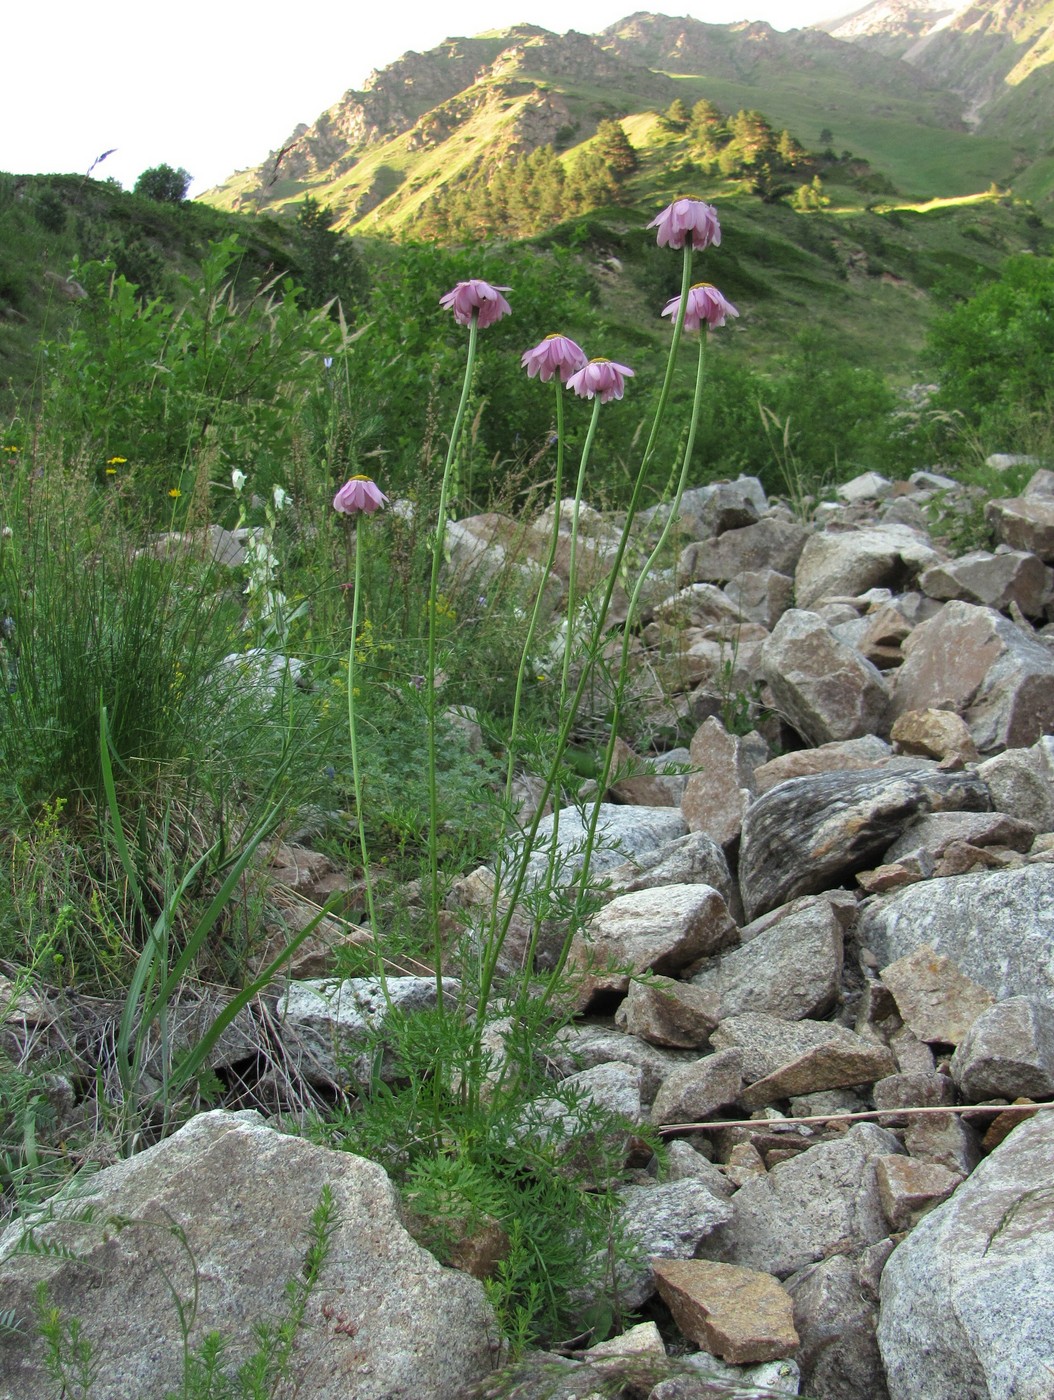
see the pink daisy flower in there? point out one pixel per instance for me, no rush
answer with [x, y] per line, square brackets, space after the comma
[476, 298]
[603, 377]
[704, 303]
[359, 493]
[556, 354]
[686, 218]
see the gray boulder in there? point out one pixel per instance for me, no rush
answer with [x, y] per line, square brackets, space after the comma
[221, 1213]
[822, 686]
[967, 1299]
[849, 562]
[809, 834]
[997, 926]
[823, 1201]
[1008, 1052]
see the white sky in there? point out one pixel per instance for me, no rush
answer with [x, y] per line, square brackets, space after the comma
[214, 86]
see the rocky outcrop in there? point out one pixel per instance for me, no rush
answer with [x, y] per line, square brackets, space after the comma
[219, 1220]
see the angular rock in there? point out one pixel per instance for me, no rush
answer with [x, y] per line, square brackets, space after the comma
[241, 1196]
[623, 833]
[669, 1013]
[719, 791]
[868, 486]
[997, 926]
[808, 834]
[852, 755]
[824, 688]
[695, 859]
[992, 580]
[934, 998]
[585, 1047]
[935, 734]
[770, 544]
[327, 1022]
[664, 1223]
[968, 1297]
[909, 1188]
[792, 968]
[1008, 1052]
[1025, 522]
[738, 1314]
[981, 665]
[761, 595]
[882, 637]
[639, 785]
[768, 1043]
[1021, 782]
[911, 1091]
[837, 1064]
[933, 834]
[654, 930]
[943, 1138]
[821, 1202]
[694, 1091]
[835, 1315]
[683, 1161]
[849, 562]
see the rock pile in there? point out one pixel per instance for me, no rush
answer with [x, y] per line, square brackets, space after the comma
[871, 932]
[824, 970]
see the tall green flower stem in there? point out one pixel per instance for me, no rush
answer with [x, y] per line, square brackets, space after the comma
[569, 712]
[356, 772]
[627, 633]
[539, 600]
[430, 667]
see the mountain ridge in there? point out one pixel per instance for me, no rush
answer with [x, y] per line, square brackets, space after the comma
[461, 110]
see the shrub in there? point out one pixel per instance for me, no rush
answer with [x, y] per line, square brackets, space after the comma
[163, 184]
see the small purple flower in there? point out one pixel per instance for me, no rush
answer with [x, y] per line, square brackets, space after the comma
[476, 298]
[359, 494]
[603, 377]
[556, 354]
[686, 218]
[704, 304]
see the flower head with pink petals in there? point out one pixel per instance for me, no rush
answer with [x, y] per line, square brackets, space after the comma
[687, 218]
[357, 494]
[556, 354]
[479, 299]
[703, 305]
[603, 377]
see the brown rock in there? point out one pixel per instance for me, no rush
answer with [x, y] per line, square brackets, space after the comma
[943, 1138]
[637, 786]
[822, 686]
[665, 1012]
[696, 1090]
[653, 930]
[1025, 522]
[718, 793]
[770, 544]
[933, 734]
[933, 997]
[740, 1315]
[836, 1065]
[909, 1188]
[867, 752]
[980, 664]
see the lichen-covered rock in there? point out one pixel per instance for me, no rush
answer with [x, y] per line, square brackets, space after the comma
[968, 1297]
[997, 926]
[224, 1208]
